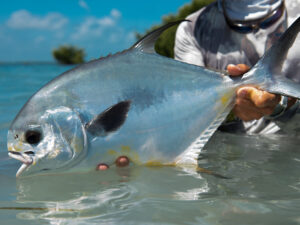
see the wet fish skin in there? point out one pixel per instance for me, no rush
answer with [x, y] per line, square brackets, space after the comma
[174, 109]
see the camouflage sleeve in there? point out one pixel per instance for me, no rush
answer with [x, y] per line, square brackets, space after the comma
[186, 47]
[289, 121]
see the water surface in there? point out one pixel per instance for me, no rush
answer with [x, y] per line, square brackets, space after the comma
[263, 185]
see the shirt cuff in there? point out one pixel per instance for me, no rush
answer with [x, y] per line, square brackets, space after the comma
[281, 112]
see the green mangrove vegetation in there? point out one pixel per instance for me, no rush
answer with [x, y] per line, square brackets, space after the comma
[165, 43]
[68, 54]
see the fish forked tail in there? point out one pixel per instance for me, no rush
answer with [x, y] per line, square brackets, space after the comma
[269, 72]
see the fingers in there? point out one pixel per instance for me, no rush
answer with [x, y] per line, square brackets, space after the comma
[259, 97]
[237, 70]
[247, 111]
[252, 103]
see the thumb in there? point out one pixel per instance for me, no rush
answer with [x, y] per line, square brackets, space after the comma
[258, 97]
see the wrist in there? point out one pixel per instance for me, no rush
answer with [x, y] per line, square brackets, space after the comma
[280, 108]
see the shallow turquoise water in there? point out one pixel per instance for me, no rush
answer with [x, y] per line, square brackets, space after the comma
[263, 185]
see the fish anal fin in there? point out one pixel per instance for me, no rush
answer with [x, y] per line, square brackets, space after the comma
[146, 44]
[109, 120]
[191, 154]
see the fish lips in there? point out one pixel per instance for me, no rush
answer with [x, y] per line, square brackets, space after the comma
[26, 158]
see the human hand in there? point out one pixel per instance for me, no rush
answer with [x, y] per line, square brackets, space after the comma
[251, 103]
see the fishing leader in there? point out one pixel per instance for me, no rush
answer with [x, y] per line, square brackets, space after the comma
[232, 35]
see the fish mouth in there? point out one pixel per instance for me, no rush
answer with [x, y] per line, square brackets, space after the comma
[26, 158]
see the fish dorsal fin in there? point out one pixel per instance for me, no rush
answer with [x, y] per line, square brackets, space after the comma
[146, 44]
[109, 120]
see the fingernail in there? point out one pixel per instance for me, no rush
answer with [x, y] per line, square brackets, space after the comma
[243, 93]
[230, 66]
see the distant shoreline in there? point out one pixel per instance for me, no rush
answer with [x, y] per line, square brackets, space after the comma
[32, 63]
[28, 62]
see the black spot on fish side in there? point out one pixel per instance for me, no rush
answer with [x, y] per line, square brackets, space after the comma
[109, 120]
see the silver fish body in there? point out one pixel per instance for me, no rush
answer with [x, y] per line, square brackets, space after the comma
[151, 108]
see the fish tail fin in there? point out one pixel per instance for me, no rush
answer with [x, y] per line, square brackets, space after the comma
[270, 72]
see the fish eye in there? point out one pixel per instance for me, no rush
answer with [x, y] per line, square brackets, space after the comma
[33, 137]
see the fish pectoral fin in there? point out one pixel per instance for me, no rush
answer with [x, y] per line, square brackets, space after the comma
[109, 120]
[146, 44]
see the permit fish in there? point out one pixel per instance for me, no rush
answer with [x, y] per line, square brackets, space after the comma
[153, 109]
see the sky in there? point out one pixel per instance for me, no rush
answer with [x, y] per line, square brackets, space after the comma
[31, 29]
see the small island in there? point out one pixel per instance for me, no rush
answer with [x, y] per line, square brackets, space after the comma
[68, 54]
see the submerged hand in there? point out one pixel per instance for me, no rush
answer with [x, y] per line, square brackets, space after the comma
[251, 103]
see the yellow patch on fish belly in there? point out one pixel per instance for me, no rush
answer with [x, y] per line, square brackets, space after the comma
[226, 97]
[131, 154]
[112, 152]
[126, 151]
[134, 157]
[158, 164]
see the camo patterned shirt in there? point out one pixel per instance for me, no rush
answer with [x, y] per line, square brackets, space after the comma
[208, 41]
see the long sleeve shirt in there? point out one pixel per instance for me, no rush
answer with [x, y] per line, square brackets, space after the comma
[208, 41]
